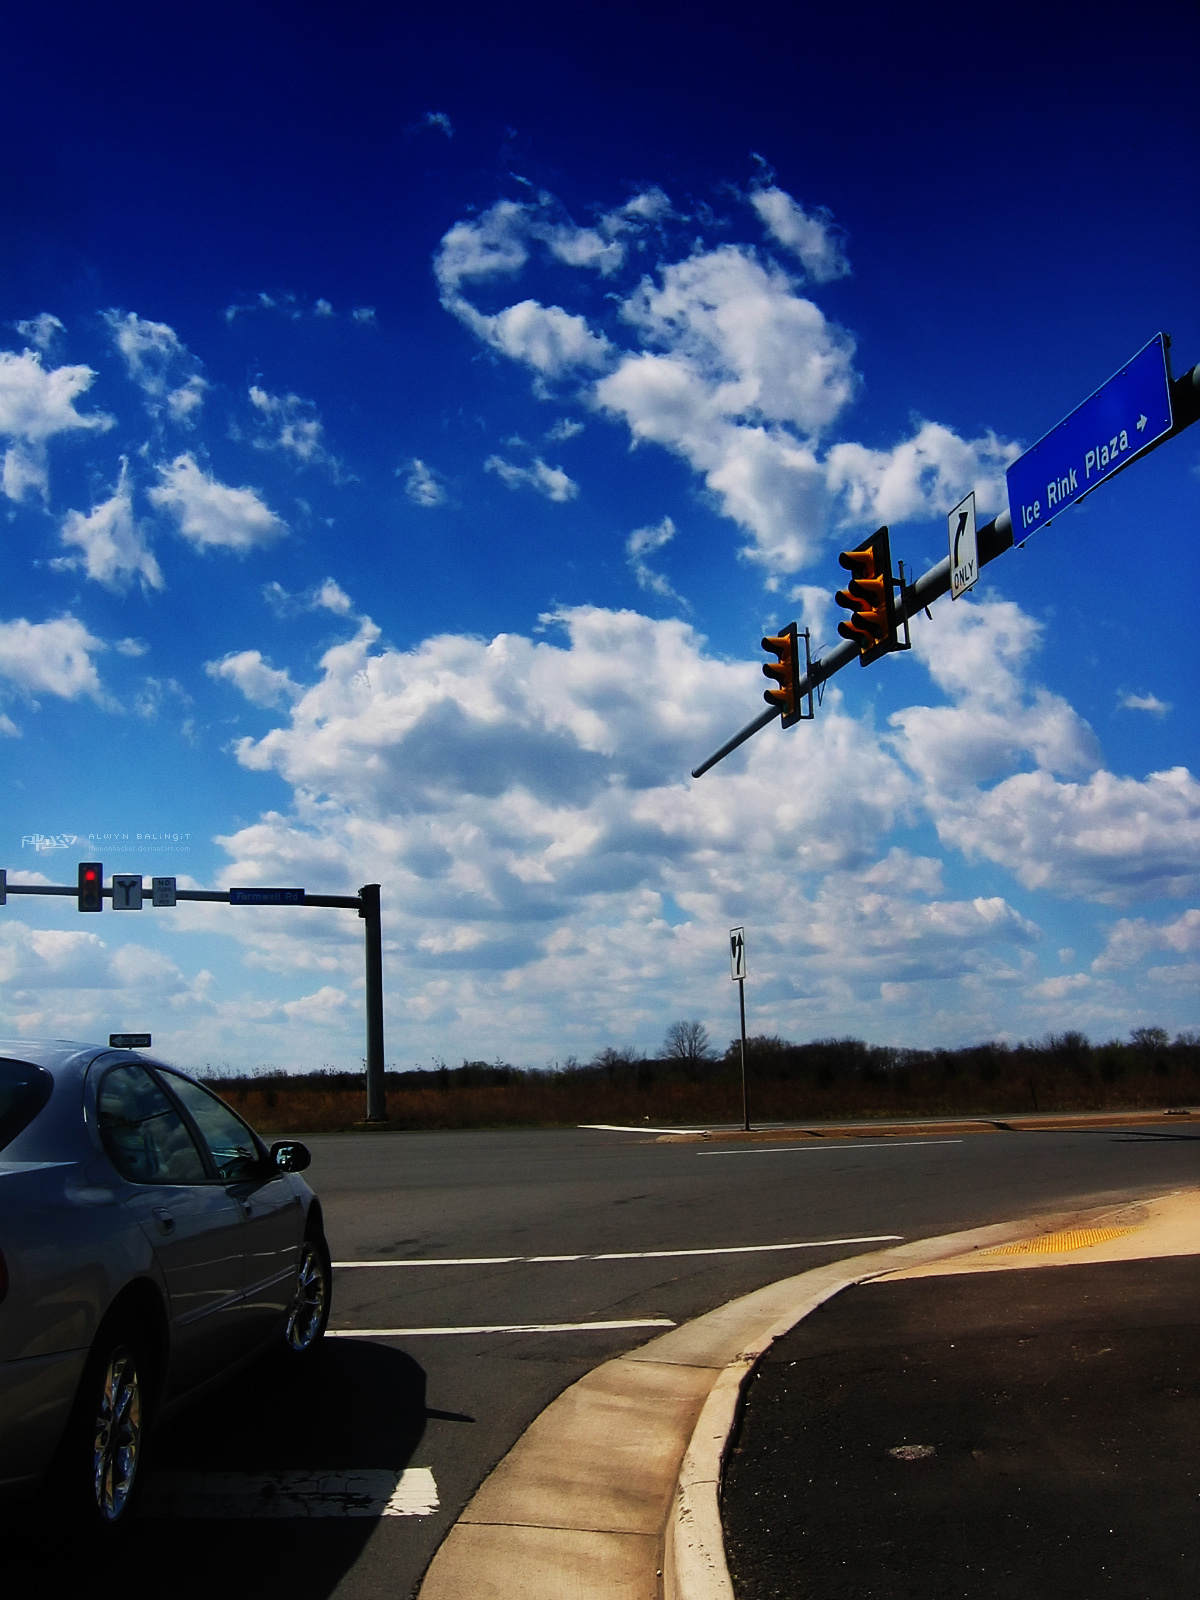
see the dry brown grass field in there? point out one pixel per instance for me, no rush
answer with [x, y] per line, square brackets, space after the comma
[832, 1079]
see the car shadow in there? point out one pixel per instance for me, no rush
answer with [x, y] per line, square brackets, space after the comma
[355, 1406]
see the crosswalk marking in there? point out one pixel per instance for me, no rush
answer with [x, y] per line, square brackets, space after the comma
[368, 1492]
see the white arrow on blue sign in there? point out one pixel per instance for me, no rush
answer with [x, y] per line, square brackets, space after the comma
[1125, 416]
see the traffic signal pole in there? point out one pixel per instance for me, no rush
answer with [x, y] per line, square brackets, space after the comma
[365, 902]
[994, 538]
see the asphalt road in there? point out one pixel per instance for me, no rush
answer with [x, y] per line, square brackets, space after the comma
[468, 1214]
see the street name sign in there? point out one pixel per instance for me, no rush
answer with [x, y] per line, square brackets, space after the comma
[964, 549]
[129, 1041]
[737, 953]
[1123, 418]
[127, 891]
[266, 897]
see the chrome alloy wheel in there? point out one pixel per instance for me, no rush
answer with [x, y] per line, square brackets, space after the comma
[117, 1442]
[306, 1319]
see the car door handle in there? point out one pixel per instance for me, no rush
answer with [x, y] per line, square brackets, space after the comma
[164, 1219]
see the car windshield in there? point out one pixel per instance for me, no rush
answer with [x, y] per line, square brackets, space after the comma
[24, 1090]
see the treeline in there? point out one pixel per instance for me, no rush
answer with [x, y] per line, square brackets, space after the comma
[825, 1078]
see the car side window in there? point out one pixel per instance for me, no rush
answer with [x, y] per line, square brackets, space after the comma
[231, 1144]
[146, 1138]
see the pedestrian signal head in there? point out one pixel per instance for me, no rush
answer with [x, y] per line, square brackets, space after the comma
[91, 884]
[786, 673]
[869, 597]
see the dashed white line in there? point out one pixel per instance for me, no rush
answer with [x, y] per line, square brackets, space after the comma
[499, 1327]
[370, 1492]
[810, 1149]
[624, 1255]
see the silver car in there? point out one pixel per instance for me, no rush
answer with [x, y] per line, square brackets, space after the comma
[150, 1246]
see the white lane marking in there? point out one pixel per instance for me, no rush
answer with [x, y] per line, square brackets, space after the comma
[371, 1492]
[802, 1149]
[631, 1255]
[618, 1127]
[745, 1249]
[504, 1327]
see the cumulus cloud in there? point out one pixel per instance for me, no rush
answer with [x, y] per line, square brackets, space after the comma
[160, 364]
[290, 425]
[328, 595]
[440, 121]
[113, 543]
[41, 330]
[210, 514]
[643, 542]
[1131, 940]
[730, 367]
[50, 657]
[1096, 836]
[552, 482]
[262, 685]
[422, 485]
[1142, 702]
[35, 405]
[809, 235]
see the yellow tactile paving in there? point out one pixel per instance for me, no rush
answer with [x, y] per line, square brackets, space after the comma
[1058, 1243]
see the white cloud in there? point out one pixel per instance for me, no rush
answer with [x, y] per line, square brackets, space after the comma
[114, 546]
[423, 486]
[326, 1006]
[131, 647]
[9, 728]
[440, 121]
[1142, 702]
[50, 657]
[642, 542]
[1131, 940]
[1102, 837]
[364, 315]
[211, 514]
[564, 428]
[160, 364]
[809, 235]
[293, 427]
[731, 368]
[35, 405]
[328, 595]
[552, 482]
[261, 684]
[41, 330]
[547, 338]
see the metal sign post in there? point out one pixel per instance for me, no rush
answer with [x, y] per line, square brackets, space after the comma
[126, 892]
[737, 971]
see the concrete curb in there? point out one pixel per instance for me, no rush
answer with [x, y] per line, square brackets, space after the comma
[612, 1491]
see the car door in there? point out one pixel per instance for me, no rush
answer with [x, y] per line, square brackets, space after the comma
[194, 1226]
[272, 1217]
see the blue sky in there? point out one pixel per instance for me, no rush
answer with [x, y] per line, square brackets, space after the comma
[410, 425]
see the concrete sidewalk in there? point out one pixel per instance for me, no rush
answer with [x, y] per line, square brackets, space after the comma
[1019, 1421]
[613, 1490]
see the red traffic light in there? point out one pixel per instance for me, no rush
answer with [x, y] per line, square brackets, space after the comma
[91, 886]
[869, 597]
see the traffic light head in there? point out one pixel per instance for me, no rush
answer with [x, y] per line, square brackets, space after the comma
[869, 597]
[786, 673]
[91, 883]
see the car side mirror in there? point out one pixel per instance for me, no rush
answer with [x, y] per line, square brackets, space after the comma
[289, 1155]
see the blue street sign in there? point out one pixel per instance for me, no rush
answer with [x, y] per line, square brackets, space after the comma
[1127, 415]
[266, 897]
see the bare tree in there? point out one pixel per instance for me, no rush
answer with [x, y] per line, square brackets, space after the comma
[687, 1041]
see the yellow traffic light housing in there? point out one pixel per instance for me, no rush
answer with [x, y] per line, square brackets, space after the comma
[786, 673]
[870, 598]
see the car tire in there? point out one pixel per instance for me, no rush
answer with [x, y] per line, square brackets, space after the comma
[101, 1458]
[308, 1314]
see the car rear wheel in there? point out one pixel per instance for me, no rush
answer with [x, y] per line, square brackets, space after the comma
[309, 1310]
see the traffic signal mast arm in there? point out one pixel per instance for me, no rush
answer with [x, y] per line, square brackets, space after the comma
[994, 538]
